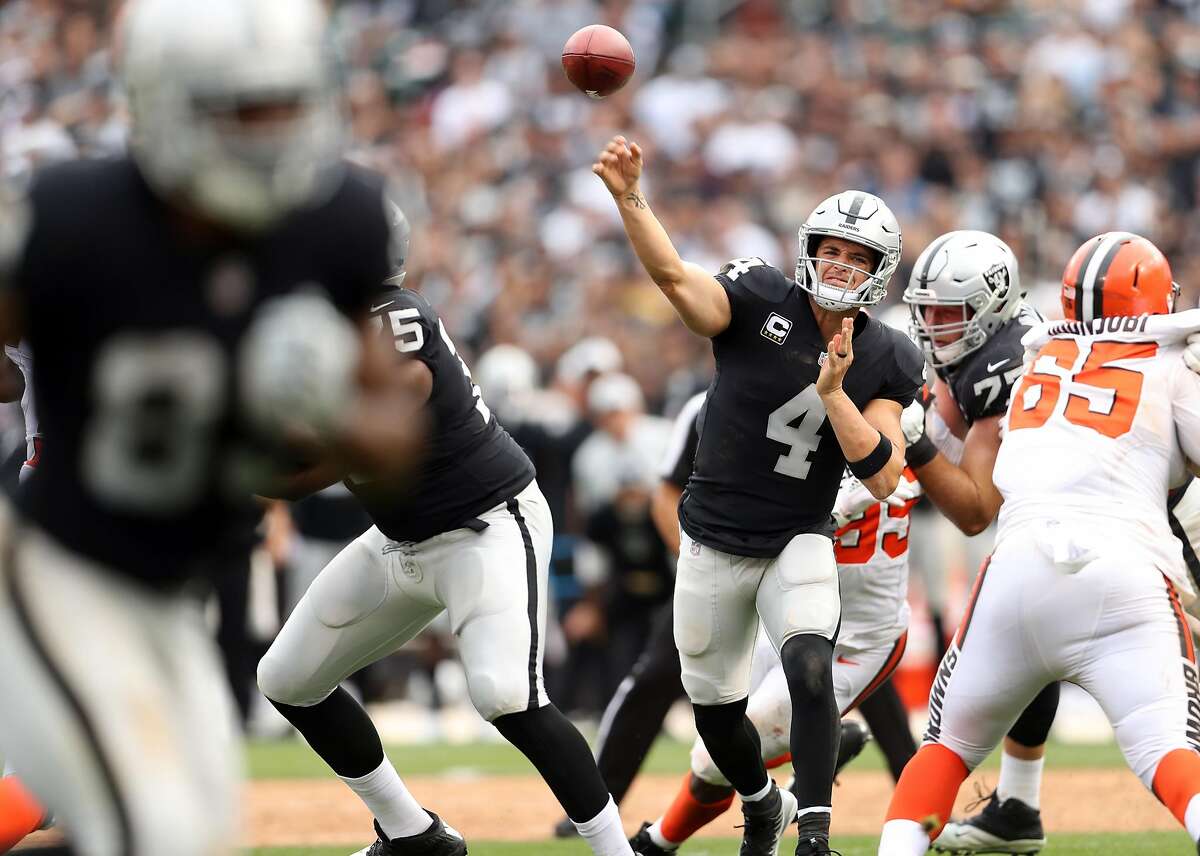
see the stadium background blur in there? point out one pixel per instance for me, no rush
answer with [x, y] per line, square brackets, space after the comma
[1044, 122]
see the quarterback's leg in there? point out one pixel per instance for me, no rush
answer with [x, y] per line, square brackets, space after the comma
[355, 612]
[1155, 712]
[88, 705]
[800, 607]
[705, 794]
[983, 682]
[494, 585]
[715, 629]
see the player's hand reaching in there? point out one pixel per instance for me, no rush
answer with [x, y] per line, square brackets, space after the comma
[838, 358]
[619, 166]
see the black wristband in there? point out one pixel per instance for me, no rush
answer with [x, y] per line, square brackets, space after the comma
[921, 452]
[874, 462]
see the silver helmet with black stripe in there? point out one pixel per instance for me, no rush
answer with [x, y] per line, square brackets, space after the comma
[864, 219]
[973, 275]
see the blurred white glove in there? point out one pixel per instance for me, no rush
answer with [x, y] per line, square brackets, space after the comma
[904, 491]
[852, 500]
[1191, 354]
[853, 497]
[297, 363]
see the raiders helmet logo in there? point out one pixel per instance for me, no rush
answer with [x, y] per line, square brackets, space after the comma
[996, 278]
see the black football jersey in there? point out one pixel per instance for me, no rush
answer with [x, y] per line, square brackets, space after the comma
[685, 436]
[983, 382]
[472, 463]
[768, 465]
[136, 322]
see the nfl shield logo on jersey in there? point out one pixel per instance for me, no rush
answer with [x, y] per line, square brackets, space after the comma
[776, 328]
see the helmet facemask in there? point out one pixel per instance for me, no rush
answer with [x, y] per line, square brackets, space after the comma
[958, 338]
[836, 296]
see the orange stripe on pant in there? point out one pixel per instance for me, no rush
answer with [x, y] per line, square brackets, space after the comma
[927, 788]
[884, 672]
[961, 636]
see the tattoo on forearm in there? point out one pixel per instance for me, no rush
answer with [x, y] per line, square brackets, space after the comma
[637, 199]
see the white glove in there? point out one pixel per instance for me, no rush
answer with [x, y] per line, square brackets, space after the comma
[297, 363]
[912, 421]
[1191, 354]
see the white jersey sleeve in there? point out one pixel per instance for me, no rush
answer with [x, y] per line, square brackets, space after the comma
[1185, 408]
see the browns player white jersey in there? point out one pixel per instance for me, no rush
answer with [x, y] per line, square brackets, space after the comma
[872, 558]
[1097, 430]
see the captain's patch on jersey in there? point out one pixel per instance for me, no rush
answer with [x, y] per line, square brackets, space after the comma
[776, 328]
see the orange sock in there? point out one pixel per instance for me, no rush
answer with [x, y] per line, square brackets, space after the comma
[927, 788]
[687, 815]
[1177, 780]
[20, 813]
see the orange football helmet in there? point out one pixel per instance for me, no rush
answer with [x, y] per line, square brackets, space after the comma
[1117, 273]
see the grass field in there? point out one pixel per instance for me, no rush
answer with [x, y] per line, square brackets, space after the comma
[1148, 844]
[292, 759]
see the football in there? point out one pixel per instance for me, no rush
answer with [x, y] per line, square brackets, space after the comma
[598, 60]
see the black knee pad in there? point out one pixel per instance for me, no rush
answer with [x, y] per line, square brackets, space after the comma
[808, 664]
[1032, 728]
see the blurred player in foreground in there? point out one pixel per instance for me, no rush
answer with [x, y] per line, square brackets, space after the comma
[1091, 588]
[471, 537]
[190, 307]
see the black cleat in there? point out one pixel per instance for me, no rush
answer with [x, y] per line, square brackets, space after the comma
[766, 819]
[815, 847]
[644, 845]
[565, 829]
[855, 738]
[1002, 827]
[437, 840]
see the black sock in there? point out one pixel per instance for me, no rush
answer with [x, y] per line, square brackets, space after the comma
[888, 720]
[561, 755]
[816, 727]
[732, 742]
[339, 730]
[1032, 727]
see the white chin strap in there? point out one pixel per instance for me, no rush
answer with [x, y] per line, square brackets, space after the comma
[833, 296]
[947, 354]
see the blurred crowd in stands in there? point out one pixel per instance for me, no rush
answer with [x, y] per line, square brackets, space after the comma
[1044, 121]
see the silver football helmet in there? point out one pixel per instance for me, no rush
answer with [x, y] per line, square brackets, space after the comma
[401, 236]
[233, 105]
[852, 215]
[973, 271]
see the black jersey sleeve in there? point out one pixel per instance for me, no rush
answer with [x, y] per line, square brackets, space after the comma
[984, 384]
[685, 435]
[408, 321]
[903, 383]
[751, 282]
